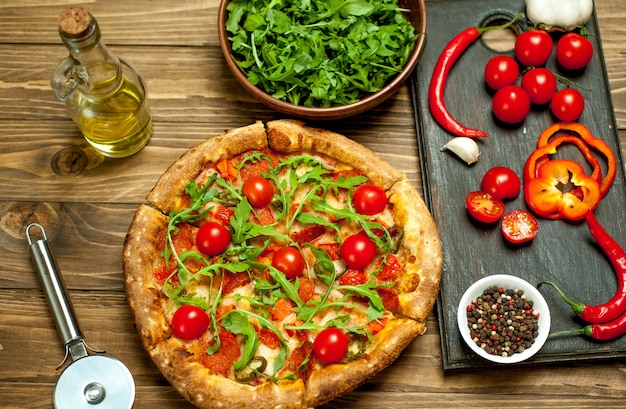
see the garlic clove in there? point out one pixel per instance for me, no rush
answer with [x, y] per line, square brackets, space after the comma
[464, 148]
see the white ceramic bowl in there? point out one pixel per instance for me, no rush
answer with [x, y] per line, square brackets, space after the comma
[507, 282]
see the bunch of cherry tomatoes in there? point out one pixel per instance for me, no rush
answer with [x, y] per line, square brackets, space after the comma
[511, 103]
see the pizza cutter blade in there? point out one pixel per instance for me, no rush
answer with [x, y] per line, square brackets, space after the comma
[90, 381]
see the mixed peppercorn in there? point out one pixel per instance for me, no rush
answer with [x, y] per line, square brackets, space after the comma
[502, 321]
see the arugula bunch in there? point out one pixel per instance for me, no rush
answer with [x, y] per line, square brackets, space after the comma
[319, 53]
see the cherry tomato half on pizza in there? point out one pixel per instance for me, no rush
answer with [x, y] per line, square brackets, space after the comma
[369, 199]
[289, 260]
[212, 239]
[190, 322]
[357, 251]
[330, 345]
[258, 190]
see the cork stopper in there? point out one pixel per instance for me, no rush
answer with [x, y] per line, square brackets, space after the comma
[75, 22]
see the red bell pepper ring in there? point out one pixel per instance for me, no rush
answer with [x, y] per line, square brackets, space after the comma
[541, 155]
[547, 194]
[579, 130]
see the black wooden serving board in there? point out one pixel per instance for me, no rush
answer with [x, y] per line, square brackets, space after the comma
[562, 252]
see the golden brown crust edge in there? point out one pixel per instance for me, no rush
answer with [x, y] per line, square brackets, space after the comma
[335, 380]
[291, 136]
[421, 242]
[207, 390]
[140, 259]
[171, 184]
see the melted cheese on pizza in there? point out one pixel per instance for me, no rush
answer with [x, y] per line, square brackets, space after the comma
[311, 211]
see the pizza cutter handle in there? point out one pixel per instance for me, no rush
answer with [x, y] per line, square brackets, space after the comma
[51, 280]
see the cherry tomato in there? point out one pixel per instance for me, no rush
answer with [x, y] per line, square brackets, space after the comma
[533, 48]
[500, 71]
[573, 51]
[519, 226]
[212, 239]
[289, 260]
[369, 199]
[357, 251]
[258, 190]
[484, 208]
[511, 104]
[190, 322]
[567, 105]
[539, 84]
[501, 183]
[330, 345]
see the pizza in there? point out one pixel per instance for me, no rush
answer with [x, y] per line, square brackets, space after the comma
[279, 266]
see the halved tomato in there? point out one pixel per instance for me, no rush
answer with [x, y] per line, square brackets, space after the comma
[484, 208]
[519, 226]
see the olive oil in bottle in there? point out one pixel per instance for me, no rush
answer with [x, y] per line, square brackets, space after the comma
[104, 95]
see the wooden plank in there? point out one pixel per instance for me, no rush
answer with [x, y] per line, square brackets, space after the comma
[557, 252]
[106, 323]
[185, 85]
[51, 156]
[612, 27]
[143, 22]
[86, 238]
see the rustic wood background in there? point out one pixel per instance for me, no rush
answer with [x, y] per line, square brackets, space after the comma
[47, 174]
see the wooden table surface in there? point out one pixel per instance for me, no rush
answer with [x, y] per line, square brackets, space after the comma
[86, 203]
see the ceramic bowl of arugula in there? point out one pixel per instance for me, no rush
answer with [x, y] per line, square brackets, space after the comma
[321, 59]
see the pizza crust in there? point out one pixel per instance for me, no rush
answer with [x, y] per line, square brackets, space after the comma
[207, 390]
[335, 380]
[170, 186]
[419, 283]
[291, 136]
[141, 259]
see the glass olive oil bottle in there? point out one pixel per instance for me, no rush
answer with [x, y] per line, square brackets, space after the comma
[104, 95]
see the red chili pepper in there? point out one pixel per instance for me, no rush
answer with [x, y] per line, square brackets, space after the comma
[580, 131]
[616, 306]
[600, 332]
[607, 331]
[436, 92]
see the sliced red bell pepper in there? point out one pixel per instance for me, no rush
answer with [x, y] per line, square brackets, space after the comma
[561, 190]
[541, 155]
[579, 130]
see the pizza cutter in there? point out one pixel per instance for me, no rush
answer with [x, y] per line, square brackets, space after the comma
[93, 380]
